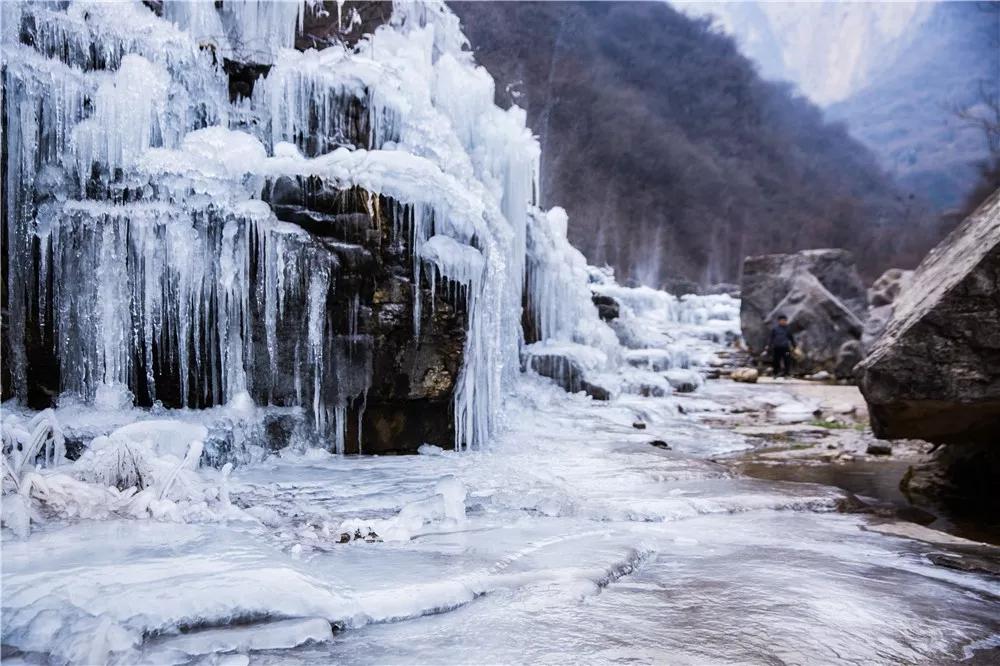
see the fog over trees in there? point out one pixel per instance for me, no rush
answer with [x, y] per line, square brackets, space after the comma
[673, 157]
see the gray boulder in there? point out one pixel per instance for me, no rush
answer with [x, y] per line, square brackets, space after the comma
[882, 297]
[848, 357]
[821, 294]
[935, 372]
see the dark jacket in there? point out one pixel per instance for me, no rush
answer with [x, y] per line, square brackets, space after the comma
[781, 338]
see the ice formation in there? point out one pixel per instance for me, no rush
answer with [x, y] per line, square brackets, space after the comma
[137, 183]
[147, 265]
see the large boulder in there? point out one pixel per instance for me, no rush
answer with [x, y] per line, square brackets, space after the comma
[821, 294]
[935, 372]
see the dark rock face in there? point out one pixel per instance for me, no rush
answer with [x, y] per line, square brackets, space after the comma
[396, 384]
[935, 372]
[821, 294]
[959, 473]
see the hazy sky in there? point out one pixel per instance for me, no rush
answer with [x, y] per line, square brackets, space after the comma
[829, 49]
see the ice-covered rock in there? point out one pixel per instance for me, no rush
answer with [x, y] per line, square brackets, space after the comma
[571, 365]
[348, 230]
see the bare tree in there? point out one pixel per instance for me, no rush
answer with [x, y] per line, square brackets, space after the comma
[984, 114]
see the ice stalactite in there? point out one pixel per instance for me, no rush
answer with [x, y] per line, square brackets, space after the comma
[321, 100]
[137, 181]
[130, 116]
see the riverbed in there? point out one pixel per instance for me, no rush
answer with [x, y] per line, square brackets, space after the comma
[572, 538]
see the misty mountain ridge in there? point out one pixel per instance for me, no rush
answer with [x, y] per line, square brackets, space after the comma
[894, 72]
[907, 112]
[674, 158]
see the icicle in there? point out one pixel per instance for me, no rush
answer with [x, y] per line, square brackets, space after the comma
[361, 417]
[318, 288]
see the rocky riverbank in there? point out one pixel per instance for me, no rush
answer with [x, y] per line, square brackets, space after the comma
[819, 432]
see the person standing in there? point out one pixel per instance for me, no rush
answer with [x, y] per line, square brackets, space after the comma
[781, 342]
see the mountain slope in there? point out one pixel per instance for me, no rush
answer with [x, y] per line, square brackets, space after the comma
[907, 111]
[830, 49]
[672, 156]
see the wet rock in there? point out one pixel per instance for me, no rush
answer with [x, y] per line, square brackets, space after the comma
[745, 375]
[985, 561]
[963, 472]
[935, 372]
[607, 307]
[879, 449]
[818, 290]
[394, 386]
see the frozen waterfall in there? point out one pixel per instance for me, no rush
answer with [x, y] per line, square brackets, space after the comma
[149, 249]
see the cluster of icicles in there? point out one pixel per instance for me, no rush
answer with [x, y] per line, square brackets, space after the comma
[134, 185]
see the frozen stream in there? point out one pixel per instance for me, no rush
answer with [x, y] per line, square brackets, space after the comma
[575, 537]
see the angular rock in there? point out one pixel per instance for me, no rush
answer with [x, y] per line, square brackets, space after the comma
[818, 290]
[935, 372]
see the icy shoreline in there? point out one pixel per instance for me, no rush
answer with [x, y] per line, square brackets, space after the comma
[572, 514]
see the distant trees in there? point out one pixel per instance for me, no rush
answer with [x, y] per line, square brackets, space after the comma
[672, 156]
[985, 115]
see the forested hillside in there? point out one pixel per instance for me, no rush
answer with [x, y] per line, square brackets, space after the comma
[672, 156]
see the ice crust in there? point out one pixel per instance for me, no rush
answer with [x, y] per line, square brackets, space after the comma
[571, 512]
